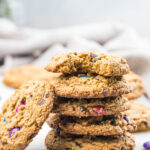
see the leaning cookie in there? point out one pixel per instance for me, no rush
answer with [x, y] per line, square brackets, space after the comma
[90, 107]
[55, 141]
[140, 114]
[104, 125]
[88, 62]
[137, 85]
[15, 77]
[90, 86]
[24, 113]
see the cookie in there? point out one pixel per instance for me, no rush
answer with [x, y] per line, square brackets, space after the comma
[54, 141]
[90, 107]
[137, 85]
[88, 62]
[90, 86]
[140, 114]
[24, 113]
[17, 76]
[103, 125]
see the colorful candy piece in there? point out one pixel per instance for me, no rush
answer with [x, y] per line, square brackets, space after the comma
[99, 110]
[126, 118]
[19, 107]
[4, 119]
[147, 145]
[121, 135]
[13, 131]
[84, 76]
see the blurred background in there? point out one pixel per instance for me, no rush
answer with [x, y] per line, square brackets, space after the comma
[62, 13]
[33, 31]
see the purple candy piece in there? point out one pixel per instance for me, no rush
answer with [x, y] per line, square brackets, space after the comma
[147, 145]
[126, 118]
[13, 131]
[121, 136]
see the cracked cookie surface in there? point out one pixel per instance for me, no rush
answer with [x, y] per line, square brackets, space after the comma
[54, 141]
[88, 62]
[90, 107]
[24, 113]
[103, 125]
[90, 86]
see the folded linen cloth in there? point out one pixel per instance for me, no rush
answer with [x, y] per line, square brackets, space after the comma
[26, 45]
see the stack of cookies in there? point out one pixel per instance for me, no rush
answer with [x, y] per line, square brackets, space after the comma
[88, 113]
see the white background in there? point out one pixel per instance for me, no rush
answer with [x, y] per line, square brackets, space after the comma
[58, 13]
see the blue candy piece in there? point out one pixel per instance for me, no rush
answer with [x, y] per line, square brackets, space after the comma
[147, 145]
[84, 76]
[4, 119]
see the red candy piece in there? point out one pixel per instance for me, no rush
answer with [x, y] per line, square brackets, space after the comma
[99, 110]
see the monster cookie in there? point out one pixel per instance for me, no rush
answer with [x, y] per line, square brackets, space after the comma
[103, 125]
[140, 114]
[90, 107]
[90, 86]
[24, 113]
[136, 82]
[15, 77]
[90, 62]
[54, 141]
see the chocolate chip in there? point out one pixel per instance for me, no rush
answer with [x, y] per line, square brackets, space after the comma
[3, 143]
[113, 122]
[145, 123]
[105, 92]
[31, 136]
[42, 102]
[23, 100]
[65, 120]
[122, 148]
[68, 149]
[93, 55]
[82, 108]
[98, 123]
[78, 144]
[47, 95]
[73, 108]
[31, 95]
